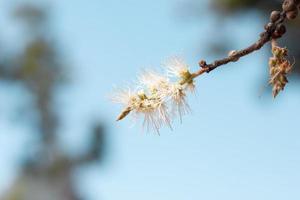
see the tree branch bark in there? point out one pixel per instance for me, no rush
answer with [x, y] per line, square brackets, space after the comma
[271, 32]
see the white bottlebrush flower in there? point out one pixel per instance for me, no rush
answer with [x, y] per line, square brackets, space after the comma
[160, 96]
[178, 100]
[123, 96]
[127, 98]
[154, 82]
[190, 86]
[152, 108]
[176, 67]
[155, 115]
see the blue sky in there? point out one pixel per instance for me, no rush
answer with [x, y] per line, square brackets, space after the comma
[233, 146]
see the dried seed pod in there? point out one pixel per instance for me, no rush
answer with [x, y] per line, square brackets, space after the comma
[275, 15]
[279, 68]
[292, 14]
[289, 5]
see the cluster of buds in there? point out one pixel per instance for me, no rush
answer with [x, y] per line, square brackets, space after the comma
[280, 28]
[290, 11]
[291, 8]
[158, 97]
[280, 67]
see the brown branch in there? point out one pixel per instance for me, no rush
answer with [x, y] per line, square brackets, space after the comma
[273, 30]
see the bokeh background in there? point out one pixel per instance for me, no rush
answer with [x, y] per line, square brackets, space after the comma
[59, 62]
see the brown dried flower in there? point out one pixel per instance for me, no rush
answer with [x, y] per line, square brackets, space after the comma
[279, 67]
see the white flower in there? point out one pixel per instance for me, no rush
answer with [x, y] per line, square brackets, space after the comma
[179, 103]
[155, 112]
[154, 82]
[123, 96]
[152, 108]
[191, 86]
[160, 96]
[127, 98]
[176, 67]
[155, 117]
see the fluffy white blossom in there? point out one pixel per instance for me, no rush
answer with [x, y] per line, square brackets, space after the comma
[123, 96]
[154, 81]
[178, 98]
[159, 97]
[176, 67]
[155, 116]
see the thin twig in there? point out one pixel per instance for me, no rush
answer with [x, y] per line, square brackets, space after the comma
[265, 37]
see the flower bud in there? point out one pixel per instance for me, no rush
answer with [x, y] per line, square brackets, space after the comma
[280, 28]
[268, 26]
[275, 15]
[232, 54]
[292, 14]
[289, 5]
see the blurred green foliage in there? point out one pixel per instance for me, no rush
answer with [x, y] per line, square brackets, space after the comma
[40, 69]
